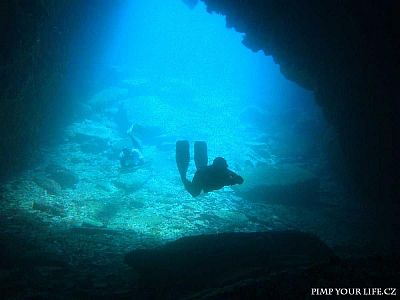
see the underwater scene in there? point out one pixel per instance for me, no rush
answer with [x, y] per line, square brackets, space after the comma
[192, 168]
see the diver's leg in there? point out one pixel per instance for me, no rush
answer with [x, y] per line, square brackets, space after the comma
[182, 156]
[200, 154]
[193, 189]
[135, 142]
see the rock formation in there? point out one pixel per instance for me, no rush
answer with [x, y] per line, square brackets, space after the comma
[347, 53]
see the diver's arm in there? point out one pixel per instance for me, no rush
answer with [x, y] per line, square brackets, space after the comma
[233, 178]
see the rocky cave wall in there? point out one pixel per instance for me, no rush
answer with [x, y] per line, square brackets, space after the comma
[47, 49]
[347, 52]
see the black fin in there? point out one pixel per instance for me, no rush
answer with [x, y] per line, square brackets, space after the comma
[200, 154]
[182, 157]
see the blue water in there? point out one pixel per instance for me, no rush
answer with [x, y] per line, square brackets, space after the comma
[178, 73]
[171, 73]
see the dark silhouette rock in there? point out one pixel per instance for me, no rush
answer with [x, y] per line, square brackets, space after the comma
[208, 261]
[348, 54]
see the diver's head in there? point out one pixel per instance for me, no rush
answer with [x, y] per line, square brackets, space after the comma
[220, 163]
[126, 152]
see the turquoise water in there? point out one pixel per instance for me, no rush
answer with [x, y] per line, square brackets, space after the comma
[183, 75]
[173, 73]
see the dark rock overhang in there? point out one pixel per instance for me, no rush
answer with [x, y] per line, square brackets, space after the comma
[347, 53]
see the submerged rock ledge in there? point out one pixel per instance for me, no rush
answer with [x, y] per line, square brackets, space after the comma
[201, 262]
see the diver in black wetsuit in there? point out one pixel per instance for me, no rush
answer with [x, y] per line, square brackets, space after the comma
[207, 178]
[131, 157]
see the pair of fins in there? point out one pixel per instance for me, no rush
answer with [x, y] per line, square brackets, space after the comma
[183, 156]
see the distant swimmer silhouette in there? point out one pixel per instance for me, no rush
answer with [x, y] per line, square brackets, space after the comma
[207, 178]
[131, 157]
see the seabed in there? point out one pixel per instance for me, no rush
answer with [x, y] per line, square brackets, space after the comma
[71, 219]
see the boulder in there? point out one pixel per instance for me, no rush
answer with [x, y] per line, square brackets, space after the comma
[64, 177]
[107, 98]
[49, 185]
[93, 137]
[279, 184]
[48, 207]
[201, 262]
[132, 181]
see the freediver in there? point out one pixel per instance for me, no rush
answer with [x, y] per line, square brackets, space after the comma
[207, 178]
[131, 157]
